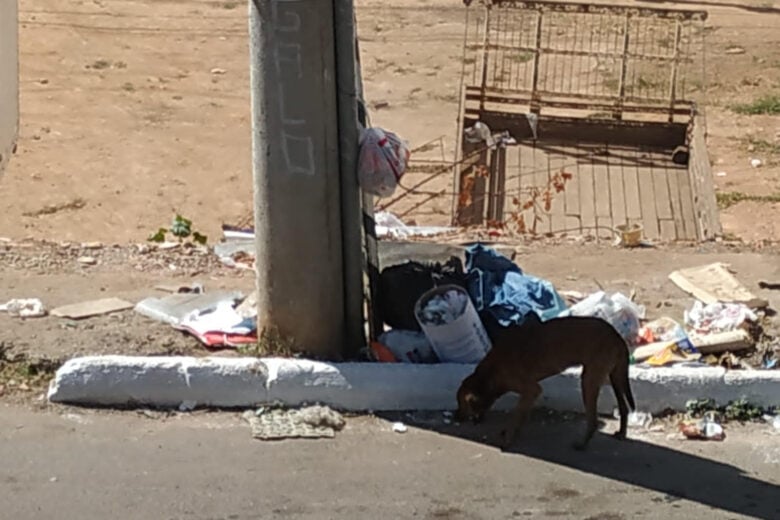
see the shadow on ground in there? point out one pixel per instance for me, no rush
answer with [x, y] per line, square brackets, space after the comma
[679, 475]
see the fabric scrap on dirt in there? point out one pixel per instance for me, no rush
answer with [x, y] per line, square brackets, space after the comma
[311, 422]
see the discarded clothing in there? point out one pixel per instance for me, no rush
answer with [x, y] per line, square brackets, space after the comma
[498, 285]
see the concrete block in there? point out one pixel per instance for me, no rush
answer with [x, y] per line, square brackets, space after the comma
[160, 381]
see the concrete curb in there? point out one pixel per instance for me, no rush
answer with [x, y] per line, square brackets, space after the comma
[248, 382]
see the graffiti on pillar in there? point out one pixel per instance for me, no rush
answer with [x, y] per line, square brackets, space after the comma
[297, 144]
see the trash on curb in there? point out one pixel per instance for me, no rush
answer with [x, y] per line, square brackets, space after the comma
[617, 309]
[24, 308]
[311, 422]
[703, 429]
[717, 317]
[174, 308]
[388, 225]
[773, 421]
[78, 311]
[220, 326]
[399, 427]
[675, 352]
[714, 283]
[407, 346]
[452, 325]
[636, 419]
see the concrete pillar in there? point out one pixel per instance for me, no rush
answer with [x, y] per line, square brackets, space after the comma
[296, 173]
[9, 80]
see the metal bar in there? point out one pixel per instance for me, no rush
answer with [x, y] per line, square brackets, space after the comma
[673, 84]
[623, 67]
[599, 54]
[675, 14]
[537, 55]
[485, 42]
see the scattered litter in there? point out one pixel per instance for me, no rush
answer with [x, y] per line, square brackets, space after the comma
[236, 252]
[572, 297]
[617, 309]
[703, 429]
[481, 133]
[452, 325]
[636, 419]
[24, 308]
[86, 260]
[756, 163]
[662, 330]
[382, 161]
[381, 353]
[717, 317]
[187, 406]
[399, 427]
[311, 422]
[388, 225]
[629, 235]
[715, 283]
[194, 288]
[174, 308]
[408, 346]
[735, 50]
[53, 479]
[675, 352]
[218, 71]
[718, 342]
[89, 309]
[721, 174]
[773, 420]
[92, 245]
[220, 325]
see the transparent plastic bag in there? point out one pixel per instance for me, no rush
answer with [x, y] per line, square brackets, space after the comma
[382, 161]
[618, 310]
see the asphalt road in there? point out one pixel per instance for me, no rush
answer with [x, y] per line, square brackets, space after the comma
[77, 464]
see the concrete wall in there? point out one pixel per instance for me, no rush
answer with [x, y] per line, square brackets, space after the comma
[9, 80]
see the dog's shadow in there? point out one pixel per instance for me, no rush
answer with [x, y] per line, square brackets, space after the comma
[677, 474]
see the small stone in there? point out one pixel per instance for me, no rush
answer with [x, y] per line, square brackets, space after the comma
[24, 387]
[53, 479]
[399, 427]
[86, 260]
[92, 245]
[735, 50]
[218, 71]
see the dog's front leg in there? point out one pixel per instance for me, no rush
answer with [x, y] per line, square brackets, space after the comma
[528, 395]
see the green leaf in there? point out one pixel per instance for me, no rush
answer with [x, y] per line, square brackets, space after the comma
[159, 236]
[200, 239]
[181, 227]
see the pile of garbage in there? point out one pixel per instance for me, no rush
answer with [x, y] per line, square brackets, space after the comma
[437, 313]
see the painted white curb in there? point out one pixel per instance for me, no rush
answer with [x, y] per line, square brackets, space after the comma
[248, 382]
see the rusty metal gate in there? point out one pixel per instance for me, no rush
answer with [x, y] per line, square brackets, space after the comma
[598, 99]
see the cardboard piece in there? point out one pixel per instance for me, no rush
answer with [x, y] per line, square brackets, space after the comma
[89, 309]
[714, 283]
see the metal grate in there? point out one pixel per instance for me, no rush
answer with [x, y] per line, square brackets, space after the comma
[570, 55]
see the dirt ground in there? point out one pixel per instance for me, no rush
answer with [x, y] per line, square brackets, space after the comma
[133, 111]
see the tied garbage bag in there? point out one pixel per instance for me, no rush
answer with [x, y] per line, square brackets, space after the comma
[382, 161]
[617, 310]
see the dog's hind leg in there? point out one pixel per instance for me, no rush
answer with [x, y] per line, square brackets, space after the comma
[591, 385]
[528, 396]
[620, 396]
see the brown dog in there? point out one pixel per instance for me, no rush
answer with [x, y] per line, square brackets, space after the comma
[523, 355]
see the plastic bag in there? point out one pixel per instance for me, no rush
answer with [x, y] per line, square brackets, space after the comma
[618, 310]
[382, 161]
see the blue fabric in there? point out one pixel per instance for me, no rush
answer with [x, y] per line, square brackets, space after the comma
[497, 284]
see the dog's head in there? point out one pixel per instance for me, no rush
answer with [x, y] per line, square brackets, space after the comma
[473, 403]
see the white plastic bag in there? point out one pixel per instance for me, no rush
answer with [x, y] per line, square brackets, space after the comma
[382, 161]
[618, 310]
